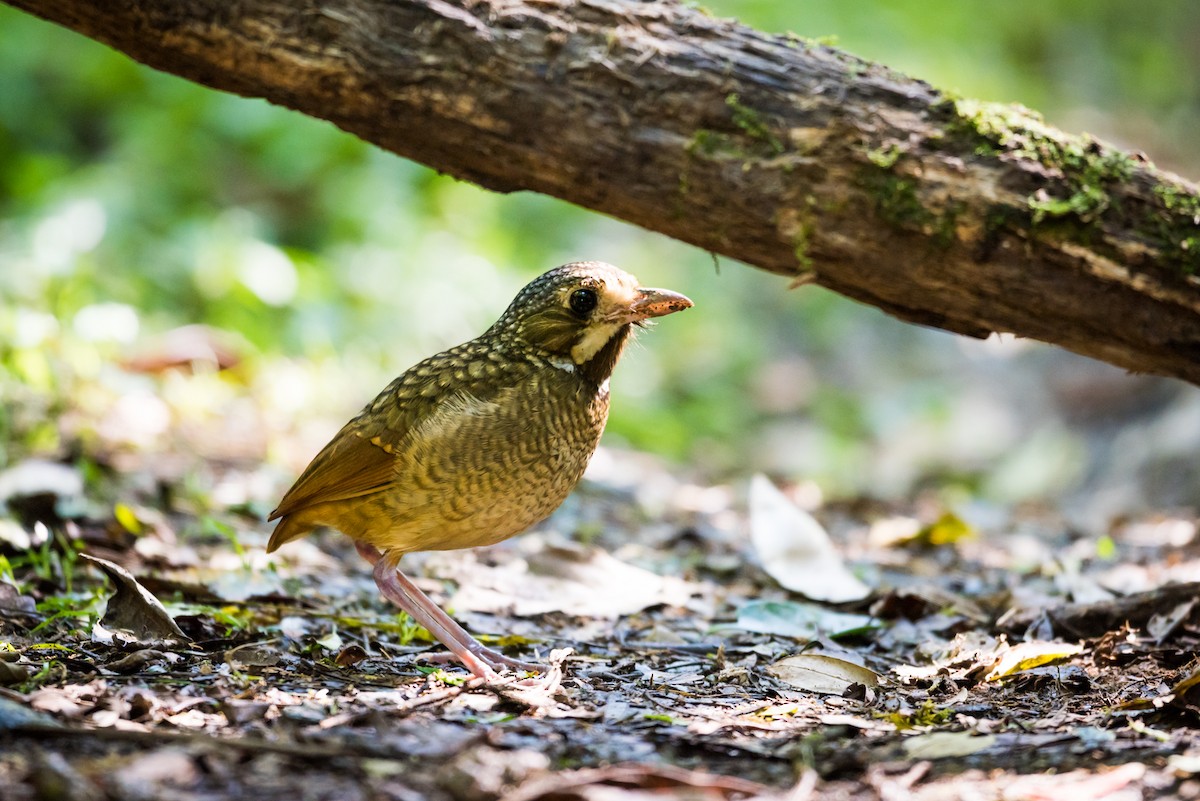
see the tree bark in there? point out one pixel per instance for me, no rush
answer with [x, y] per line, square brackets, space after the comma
[776, 151]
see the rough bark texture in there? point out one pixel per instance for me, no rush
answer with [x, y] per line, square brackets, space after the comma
[1082, 620]
[773, 150]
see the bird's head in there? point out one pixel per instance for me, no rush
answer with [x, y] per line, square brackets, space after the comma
[583, 313]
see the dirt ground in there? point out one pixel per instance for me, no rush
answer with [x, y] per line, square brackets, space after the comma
[996, 655]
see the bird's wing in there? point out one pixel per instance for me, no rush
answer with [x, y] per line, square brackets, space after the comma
[349, 466]
[361, 458]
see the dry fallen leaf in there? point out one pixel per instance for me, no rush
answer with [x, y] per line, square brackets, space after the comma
[1029, 655]
[1180, 695]
[350, 655]
[795, 550]
[253, 654]
[818, 673]
[139, 660]
[133, 608]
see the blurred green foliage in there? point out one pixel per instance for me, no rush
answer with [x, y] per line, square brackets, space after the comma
[132, 202]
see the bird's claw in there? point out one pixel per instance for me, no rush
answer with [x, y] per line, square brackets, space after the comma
[491, 662]
[499, 661]
[537, 691]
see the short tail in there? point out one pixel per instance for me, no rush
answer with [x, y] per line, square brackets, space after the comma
[290, 527]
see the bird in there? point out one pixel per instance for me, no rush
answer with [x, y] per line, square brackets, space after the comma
[479, 442]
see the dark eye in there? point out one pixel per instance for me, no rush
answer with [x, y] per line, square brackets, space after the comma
[583, 301]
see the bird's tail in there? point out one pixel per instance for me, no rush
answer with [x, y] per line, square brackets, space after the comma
[291, 527]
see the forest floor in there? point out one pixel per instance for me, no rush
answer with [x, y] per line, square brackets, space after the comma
[993, 654]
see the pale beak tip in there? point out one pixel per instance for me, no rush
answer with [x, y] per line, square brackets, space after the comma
[660, 302]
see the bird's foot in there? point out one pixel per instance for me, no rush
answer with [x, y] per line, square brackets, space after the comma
[485, 664]
[489, 657]
[538, 692]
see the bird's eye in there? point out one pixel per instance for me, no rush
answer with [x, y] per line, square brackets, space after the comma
[583, 301]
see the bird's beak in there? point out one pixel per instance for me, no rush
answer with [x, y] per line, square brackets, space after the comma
[657, 303]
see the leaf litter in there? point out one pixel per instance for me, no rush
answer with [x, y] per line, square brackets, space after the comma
[703, 646]
[795, 549]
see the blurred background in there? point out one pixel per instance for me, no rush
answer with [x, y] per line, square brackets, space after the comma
[195, 285]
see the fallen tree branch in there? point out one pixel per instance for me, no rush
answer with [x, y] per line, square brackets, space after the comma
[1098, 617]
[785, 154]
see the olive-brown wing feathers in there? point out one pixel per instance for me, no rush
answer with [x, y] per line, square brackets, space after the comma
[361, 458]
[349, 466]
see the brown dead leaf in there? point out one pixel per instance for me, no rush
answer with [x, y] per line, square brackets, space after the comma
[133, 608]
[254, 654]
[823, 674]
[1119, 646]
[350, 655]
[136, 661]
[61, 701]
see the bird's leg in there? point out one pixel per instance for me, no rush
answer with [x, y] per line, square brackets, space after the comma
[368, 552]
[397, 588]
[404, 594]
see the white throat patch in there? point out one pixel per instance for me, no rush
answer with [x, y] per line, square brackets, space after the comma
[596, 337]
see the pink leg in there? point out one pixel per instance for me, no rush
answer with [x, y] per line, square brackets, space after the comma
[396, 587]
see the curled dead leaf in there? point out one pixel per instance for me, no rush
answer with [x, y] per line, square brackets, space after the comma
[823, 674]
[133, 608]
[350, 655]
